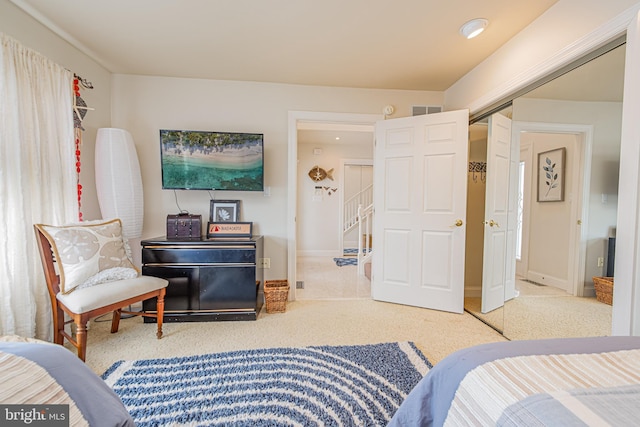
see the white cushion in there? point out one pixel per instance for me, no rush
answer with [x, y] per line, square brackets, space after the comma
[84, 250]
[87, 299]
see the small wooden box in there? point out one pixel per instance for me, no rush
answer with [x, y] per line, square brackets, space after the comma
[184, 226]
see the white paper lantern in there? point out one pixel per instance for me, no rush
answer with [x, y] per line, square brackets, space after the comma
[118, 180]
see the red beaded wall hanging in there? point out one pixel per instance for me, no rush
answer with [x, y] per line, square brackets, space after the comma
[79, 111]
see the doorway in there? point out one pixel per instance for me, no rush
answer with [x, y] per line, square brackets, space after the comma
[554, 239]
[302, 190]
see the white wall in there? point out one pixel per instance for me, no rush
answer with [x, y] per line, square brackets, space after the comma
[143, 105]
[17, 24]
[319, 214]
[606, 119]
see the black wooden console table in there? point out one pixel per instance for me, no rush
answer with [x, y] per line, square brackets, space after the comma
[209, 279]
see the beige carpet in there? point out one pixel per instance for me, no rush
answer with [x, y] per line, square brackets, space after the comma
[556, 317]
[546, 312]
[493, 318]
[305, 323]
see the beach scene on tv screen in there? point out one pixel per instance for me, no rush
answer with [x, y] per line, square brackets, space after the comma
[211, 160]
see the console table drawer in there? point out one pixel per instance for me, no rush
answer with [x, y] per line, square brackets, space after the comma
[191, 255]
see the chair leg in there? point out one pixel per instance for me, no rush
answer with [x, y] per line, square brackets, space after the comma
[58, 325]
[160, 312]
[81, 337]
[115, 321]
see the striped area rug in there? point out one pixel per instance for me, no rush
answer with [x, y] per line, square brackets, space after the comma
[325, 386]
[353, 251]
[349, 258]
[340, 262]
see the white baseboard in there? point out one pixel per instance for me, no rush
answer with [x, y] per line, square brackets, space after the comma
[545, 279]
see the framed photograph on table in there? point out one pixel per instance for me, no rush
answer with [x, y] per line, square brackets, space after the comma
[224, 211]
[551, 175]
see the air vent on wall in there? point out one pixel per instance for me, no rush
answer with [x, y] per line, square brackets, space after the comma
[419, 110]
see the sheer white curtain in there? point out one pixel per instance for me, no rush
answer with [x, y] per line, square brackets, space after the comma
[37, 179]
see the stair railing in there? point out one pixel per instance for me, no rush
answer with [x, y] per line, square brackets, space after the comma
[351, 205]
[365, 223]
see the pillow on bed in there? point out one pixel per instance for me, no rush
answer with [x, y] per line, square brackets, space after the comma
[84, 250]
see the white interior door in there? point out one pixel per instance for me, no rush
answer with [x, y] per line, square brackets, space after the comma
[420, 190]
[496, 212]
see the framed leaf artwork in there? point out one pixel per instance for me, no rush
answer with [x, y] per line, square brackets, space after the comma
[551, 175]
[224, 211]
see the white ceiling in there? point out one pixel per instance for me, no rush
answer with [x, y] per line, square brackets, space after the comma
[408, 44]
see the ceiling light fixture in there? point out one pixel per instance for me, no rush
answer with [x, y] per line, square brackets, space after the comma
[474, 27]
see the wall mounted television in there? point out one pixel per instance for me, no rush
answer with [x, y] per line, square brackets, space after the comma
[203, 160]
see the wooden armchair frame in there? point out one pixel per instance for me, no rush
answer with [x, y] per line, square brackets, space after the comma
[81, 319]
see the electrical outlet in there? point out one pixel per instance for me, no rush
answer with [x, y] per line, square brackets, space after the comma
[264, 263]
[600, 261]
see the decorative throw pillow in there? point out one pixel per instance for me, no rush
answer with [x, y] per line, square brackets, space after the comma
[84, 250]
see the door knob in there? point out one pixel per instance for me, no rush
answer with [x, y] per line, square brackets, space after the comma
[491, 223]
[458, 223]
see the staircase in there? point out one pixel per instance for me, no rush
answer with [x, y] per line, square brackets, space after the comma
[358, 212]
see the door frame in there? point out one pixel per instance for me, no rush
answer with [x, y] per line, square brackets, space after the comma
[579, 210]
[352, 121]
[523, 264]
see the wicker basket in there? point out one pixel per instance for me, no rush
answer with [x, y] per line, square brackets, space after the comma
[604, 289]
[276, 294]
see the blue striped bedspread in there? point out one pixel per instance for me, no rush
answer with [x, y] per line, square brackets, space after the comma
[614, 406]
[581, 381]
